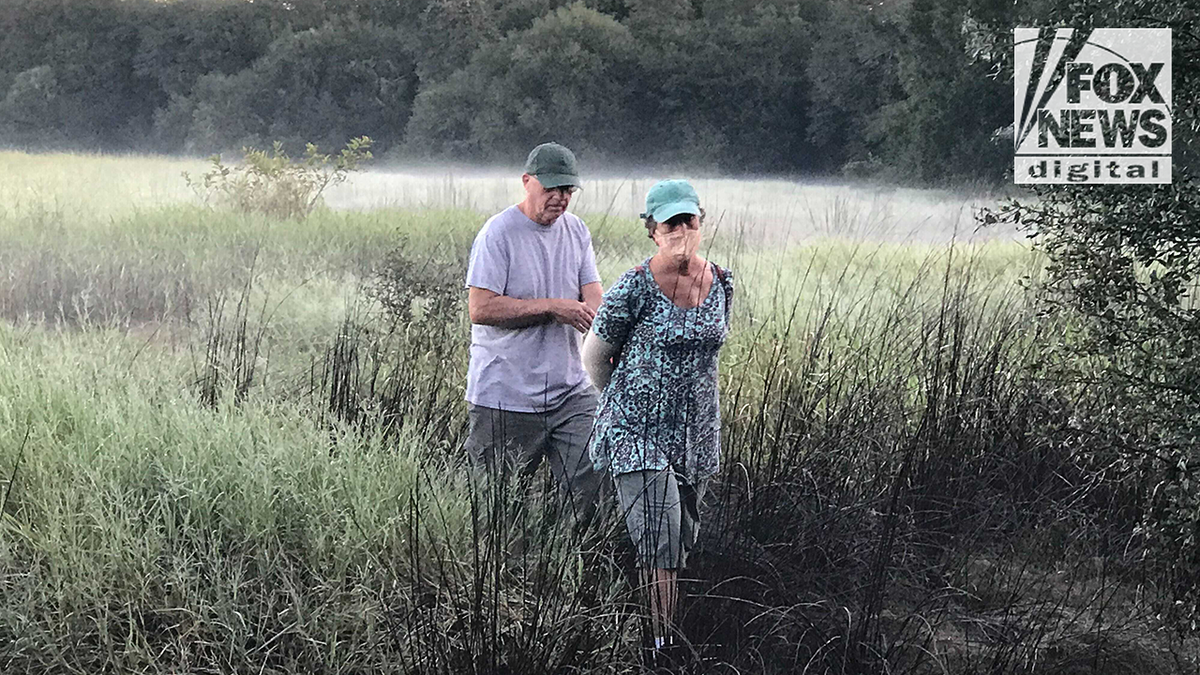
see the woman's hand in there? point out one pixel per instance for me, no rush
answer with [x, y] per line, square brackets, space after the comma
[678, 245]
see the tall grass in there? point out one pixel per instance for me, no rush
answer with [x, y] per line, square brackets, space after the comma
[230, 444]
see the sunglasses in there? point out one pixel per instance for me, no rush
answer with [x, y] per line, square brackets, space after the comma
[684, 219]
[564, 190]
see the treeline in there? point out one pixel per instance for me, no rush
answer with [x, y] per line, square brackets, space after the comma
[902, 89]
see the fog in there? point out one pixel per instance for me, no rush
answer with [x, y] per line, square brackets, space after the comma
[769, 210]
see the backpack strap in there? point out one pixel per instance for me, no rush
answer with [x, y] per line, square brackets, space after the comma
[646, 278]
[726, 287]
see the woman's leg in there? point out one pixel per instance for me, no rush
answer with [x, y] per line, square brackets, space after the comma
[651, 505]
[662, 590]
[663, 584]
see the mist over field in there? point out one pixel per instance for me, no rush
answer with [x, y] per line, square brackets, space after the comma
[777, 210]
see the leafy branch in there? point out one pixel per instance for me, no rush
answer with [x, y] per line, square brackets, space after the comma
[273, 184]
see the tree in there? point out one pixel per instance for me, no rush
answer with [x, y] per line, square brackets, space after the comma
[29, 106]
[1122, 273]
[941, 129]
[668, 87]
[324, 85]
[853, 74]
[450, 31]
[565, 78]
[185, 40]
[89, 45]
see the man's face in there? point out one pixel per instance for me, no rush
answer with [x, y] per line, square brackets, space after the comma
[546, 204]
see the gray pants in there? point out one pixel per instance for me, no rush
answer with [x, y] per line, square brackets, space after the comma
[662, 512]
[520, 440]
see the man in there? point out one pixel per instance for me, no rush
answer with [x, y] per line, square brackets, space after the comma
[533, 291]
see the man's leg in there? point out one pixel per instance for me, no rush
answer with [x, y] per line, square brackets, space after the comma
[501, 442]
[570, 431]
[504, 448]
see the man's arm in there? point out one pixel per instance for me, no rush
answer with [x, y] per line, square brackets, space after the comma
[592, 294]
[489, 308]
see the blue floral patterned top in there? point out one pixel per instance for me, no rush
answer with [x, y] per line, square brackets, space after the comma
[661, 406]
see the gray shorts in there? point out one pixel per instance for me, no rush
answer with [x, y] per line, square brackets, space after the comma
[662, 512]
[504, 442]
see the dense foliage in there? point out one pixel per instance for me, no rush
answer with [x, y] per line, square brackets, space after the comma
[765, 86]
[1123, 268]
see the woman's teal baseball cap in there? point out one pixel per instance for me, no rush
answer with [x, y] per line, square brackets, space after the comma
[670, 198]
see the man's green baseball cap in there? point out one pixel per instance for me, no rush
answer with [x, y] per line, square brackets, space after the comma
[670, 198]
[553, 165]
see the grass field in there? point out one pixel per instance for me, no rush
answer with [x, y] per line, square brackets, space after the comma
[231, 444]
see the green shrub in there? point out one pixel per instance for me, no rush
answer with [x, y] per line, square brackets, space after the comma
[276, 185]
[1122, 271]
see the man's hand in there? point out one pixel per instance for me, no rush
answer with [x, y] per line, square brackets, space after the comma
[489, 308]
[572, 313]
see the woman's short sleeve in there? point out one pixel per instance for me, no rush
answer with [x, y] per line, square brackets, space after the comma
[619, 310]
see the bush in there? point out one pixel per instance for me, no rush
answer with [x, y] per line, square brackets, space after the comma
[1122, 270]
[274, 184]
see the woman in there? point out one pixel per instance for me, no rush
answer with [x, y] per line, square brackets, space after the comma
[652, 351]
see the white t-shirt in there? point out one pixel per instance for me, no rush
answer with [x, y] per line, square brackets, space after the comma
[532, 369]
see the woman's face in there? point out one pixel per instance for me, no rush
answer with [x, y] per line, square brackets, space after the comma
[679, 237]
